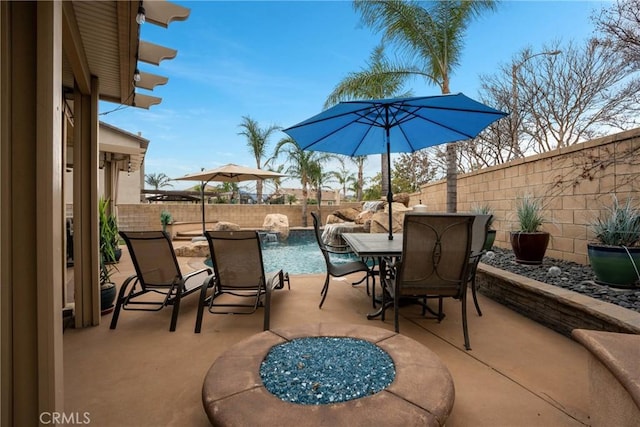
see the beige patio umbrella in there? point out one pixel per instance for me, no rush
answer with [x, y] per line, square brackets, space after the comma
[227, 173]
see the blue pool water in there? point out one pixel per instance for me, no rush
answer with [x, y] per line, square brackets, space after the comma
[299, 254]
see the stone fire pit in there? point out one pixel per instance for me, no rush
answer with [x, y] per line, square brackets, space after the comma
[422, 392]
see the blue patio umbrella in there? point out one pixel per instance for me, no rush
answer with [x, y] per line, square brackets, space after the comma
[396, 125]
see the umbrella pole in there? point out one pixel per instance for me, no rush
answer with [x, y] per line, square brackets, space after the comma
[389, 192]
[202, 184]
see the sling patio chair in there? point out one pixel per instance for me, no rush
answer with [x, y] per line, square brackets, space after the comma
[478, 237]
[337, 269]
[434, 264]
[157, 274]
[240, 285]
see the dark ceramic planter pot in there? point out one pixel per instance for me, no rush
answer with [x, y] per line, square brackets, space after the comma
[614, 266]
[107, 297]
[529, 248]
[118, 254]
[488, 243]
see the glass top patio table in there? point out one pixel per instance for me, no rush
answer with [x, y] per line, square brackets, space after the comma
[374, 244]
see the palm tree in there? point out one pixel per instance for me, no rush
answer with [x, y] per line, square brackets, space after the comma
[344, 176]
[319, 178]
[302, 164]
[359, 161]
[230, 187]
[257, 140]
[157, 180]
[432, 37]
[277, 182]
[370, 83]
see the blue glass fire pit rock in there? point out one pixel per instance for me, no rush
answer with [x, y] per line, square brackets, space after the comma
[324, 370]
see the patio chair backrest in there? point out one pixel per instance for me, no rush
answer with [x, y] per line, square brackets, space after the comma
[480, 229]
[318, 234]
[153, 257]
[237, 258]
[435, 254]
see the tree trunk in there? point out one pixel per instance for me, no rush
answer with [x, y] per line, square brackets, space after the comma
[452, 179]
[305, 197]
[259, 191]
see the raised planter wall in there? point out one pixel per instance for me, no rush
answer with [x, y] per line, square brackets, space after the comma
[556, 308]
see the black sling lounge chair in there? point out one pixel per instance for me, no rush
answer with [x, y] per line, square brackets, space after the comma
[240, 285]
[157, 272]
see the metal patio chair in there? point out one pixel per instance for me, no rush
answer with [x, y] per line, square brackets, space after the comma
[478, 237]
[240, 285]
[337, 269]
[434, 264]
[157, 273]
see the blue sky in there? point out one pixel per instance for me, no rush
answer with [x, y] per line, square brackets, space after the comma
[276, 61]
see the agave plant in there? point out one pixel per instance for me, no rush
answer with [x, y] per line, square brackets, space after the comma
[620, 226]
[529, 211]
[483, 210]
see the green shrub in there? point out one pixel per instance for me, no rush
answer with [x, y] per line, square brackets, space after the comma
[165, 219]
[109, 240]
[620, 226]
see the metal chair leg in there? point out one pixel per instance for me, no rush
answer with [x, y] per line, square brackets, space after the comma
[475, 298]
[465, 330]
[325, 290]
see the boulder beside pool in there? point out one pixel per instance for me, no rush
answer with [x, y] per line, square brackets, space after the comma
[193, 249]
[277, 223]
[200, 248]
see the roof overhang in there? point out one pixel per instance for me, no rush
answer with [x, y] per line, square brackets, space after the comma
[125, 148]
[102, 39]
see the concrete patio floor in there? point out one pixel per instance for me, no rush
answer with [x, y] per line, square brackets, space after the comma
[518, 372]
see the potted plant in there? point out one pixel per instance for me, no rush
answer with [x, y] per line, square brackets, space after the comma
[615, 257]
[529, 243]
[165, 219]
[108, 230]
[491, 234]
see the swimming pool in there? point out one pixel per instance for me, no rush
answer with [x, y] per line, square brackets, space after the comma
[299, 254]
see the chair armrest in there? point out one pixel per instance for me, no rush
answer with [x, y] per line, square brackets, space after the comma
[274, 280]
[392, 262]
[186, 277]
[475, 257]
[196, 272]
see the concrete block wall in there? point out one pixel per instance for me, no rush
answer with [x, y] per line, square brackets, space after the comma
[576, 185]
[146, 217]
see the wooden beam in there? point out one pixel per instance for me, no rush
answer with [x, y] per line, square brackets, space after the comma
[73, 48]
